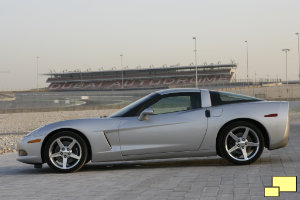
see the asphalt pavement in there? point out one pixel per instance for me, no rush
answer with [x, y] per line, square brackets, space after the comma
[208, 178]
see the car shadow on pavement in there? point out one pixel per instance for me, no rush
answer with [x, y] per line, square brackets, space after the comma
[158, 163]
[173, 163]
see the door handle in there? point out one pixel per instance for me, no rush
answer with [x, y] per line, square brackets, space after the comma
[207, 113]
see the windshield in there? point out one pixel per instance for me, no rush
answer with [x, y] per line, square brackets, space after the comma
[126, 109]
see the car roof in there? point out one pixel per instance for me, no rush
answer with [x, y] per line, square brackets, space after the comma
[177, 90]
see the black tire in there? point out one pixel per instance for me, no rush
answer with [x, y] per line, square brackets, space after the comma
[237, 148]
[63, 159]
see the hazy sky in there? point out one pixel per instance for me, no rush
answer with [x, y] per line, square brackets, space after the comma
[73, 34]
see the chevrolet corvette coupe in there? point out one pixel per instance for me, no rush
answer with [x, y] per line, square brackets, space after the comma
[170, 123]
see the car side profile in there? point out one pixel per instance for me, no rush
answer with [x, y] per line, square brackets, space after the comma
[170, 123]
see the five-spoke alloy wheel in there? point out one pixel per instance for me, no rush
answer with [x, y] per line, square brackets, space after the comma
[66, 152]
[241, 143]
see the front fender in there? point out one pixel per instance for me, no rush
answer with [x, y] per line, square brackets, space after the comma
[93, 129]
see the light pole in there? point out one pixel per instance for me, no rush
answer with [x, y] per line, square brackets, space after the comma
[247, 62]
[194, 38]
[287, 82]
[122, 69]
[298, 54]
[37, 72]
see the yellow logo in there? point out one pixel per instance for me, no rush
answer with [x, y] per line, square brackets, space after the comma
[281, 184]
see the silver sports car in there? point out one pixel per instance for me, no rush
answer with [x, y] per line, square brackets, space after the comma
[165, 124]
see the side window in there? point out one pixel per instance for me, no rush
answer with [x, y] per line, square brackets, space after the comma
[220, 98]
[176, 103]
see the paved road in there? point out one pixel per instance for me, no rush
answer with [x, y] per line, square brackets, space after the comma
[176, 179]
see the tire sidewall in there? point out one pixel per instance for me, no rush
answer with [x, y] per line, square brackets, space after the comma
[79, 139]
[226, 131]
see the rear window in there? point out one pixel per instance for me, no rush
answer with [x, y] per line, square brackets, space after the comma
[220, 98]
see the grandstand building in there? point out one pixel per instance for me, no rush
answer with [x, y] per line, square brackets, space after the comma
[144, 78]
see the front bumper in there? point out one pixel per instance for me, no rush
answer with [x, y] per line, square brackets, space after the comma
[33, 151]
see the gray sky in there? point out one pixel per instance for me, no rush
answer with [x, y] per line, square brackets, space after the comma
[73, 34]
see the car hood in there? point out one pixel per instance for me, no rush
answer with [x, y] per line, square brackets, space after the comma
[85, 126]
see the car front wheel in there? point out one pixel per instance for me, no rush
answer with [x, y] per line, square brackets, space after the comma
[241, 143]
[66, 152]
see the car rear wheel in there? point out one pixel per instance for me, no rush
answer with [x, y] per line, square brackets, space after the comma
[241, 143]
[66, 152]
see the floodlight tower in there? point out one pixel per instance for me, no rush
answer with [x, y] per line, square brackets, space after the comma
[247, 62]
[286, 51]
[298, 53]
[37, 72]
[287, 82]
[122, 70]
[194, 38]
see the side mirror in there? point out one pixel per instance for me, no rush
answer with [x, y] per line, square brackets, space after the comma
[144, 114]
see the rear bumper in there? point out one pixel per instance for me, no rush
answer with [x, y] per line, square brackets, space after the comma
[285, 138]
